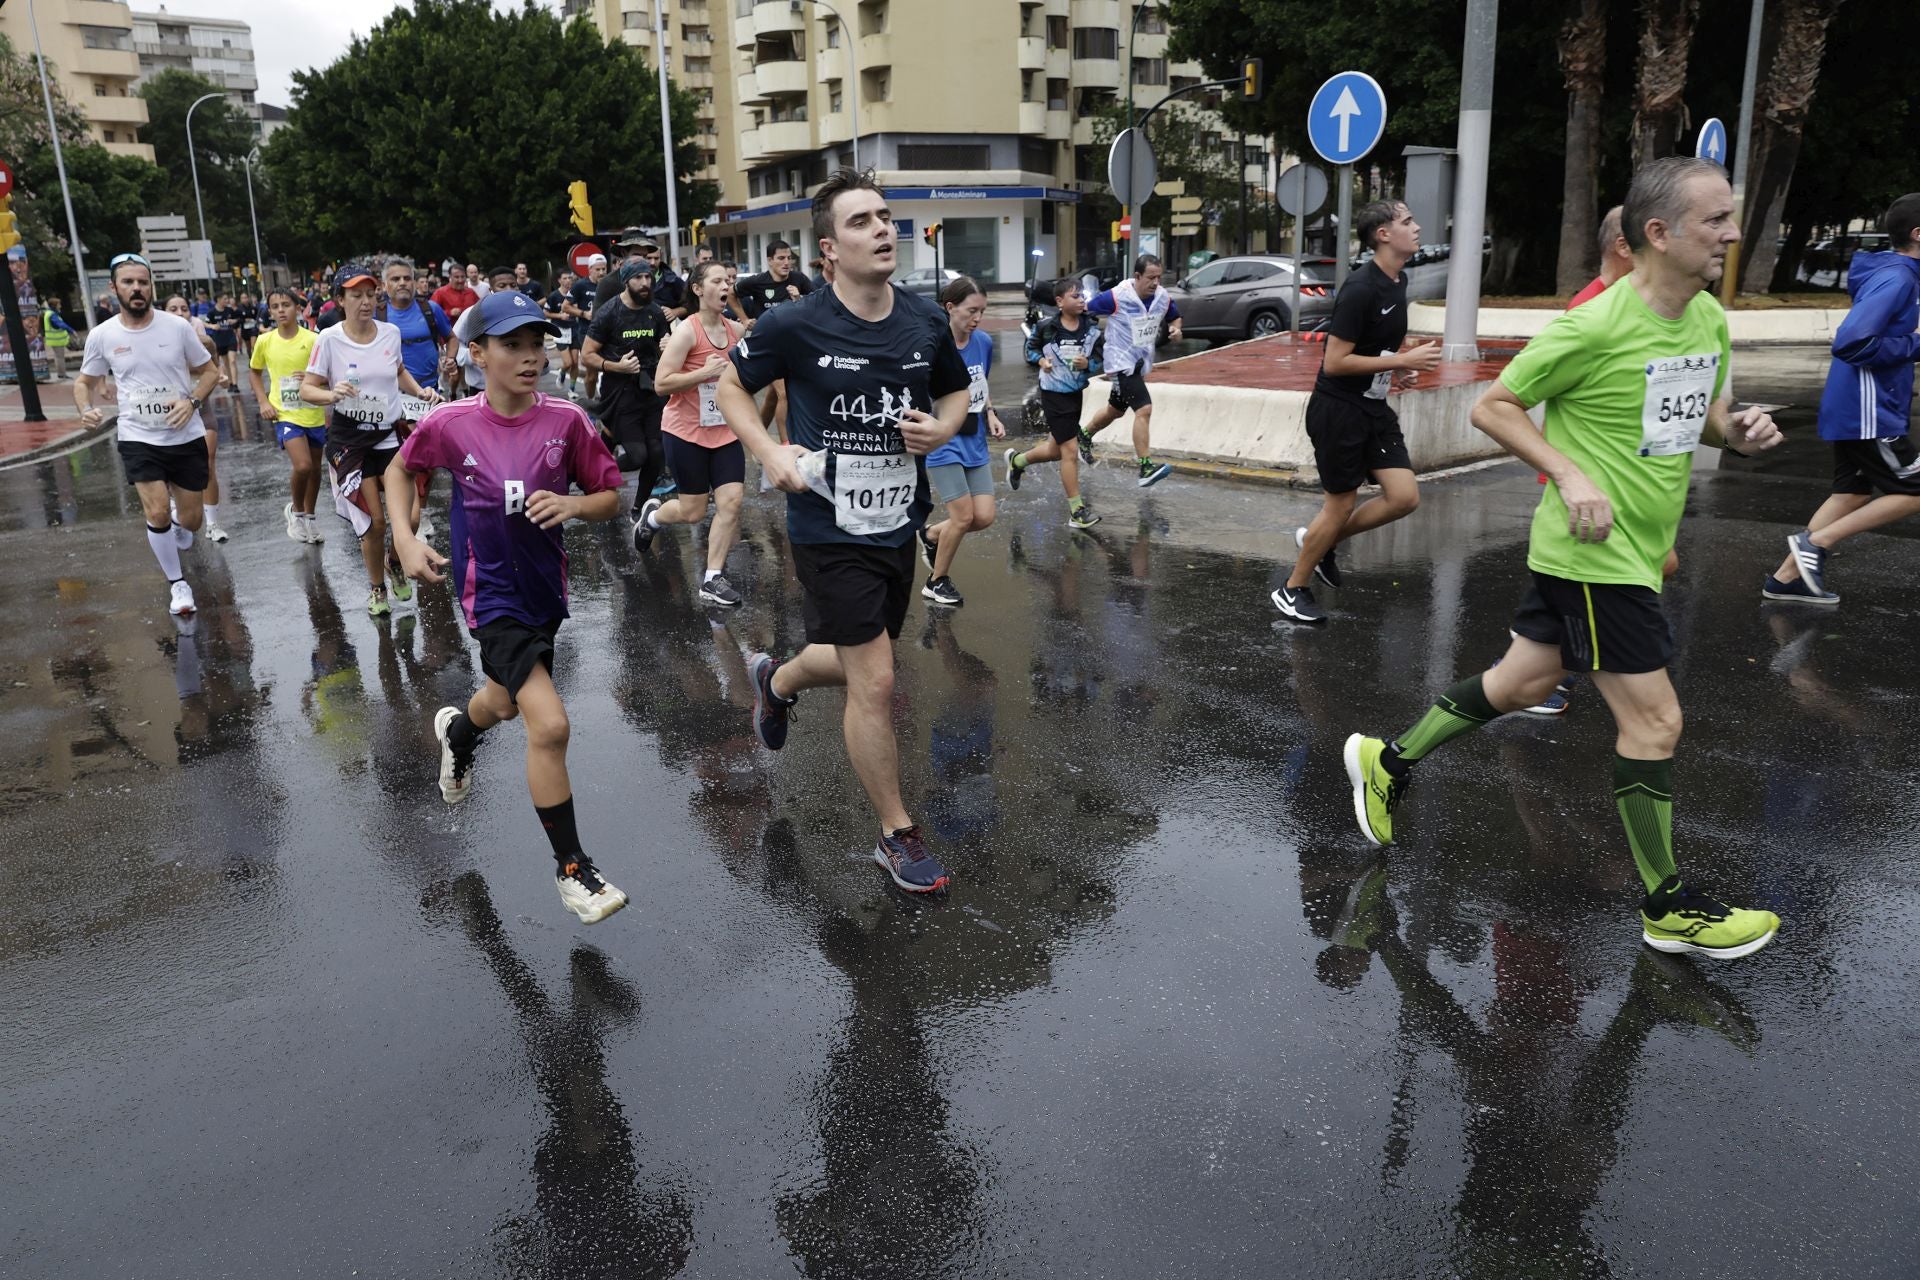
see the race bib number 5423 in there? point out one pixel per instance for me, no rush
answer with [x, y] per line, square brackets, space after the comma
[1679, 392]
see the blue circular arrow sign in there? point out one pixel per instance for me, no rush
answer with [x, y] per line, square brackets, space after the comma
[1347, 118]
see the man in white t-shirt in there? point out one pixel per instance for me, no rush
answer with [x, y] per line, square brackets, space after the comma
[162, 373]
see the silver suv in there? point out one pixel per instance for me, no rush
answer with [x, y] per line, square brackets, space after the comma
[1252, 296]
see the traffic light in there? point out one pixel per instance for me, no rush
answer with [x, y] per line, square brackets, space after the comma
[582, 212]
[931, 235]
[9, 235]
[1253, 79]
[699, 230]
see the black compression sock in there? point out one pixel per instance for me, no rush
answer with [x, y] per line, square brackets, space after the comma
[557, 819]
[462, 736]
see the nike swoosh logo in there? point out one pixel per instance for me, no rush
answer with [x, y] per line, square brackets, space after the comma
[1384, 310]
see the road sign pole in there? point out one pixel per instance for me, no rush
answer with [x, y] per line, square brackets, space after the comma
[1460, 335]
[1730, 282]
[1299, 241]
[1344, 176]
[22, 358]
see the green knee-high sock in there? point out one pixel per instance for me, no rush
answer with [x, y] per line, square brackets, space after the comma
[1461, 709]
[1643, 789]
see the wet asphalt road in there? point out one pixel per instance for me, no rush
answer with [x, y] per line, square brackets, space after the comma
[271, 1009]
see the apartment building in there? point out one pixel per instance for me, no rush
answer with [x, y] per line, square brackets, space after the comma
[693, 49]
[89, 49]
[221, 49]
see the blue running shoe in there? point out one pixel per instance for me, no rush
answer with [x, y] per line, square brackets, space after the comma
[771, 712]
[665, 488]
[904, 854]
[1555, 704]
[1798, 589]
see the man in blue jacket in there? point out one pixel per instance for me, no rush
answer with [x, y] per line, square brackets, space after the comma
[1864, 410]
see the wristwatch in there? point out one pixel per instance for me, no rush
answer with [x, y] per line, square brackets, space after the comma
[196, 402]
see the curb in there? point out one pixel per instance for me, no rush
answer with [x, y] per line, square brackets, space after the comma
[77, 437]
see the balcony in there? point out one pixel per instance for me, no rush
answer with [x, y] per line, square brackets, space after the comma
[695, 80]
[786, 137]
[1098, 13]
[778, 78]
[1059, 63]
[1060, 126]
[746, 90]
[1147, 44]
[876, 51]
[831, 64]
[1033, 118]
[1056, 8]
[833, 127]
[1033, 53]
[744, 34]
[96, 13]
[1082, 131]
[1096, 73]
[122, 64]
[128, 110]
[141, 150]
[751, 149]
[770, 16]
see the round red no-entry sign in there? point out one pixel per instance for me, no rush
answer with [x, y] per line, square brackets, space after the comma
[578, 255]
[6, 180]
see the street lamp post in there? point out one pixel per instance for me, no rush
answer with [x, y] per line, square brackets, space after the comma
[853, 79]
[1132, 30]
[259, 263]
[193, 164]
[83, 305]
[666, 135]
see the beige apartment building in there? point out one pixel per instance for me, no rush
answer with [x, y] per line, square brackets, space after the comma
[89, 48]
[696, 60]
[975, 114]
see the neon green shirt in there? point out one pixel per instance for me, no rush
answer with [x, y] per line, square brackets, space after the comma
[1627, 394]
[285, 363]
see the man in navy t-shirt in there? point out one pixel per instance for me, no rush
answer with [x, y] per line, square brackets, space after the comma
[424, 327]
[874, 383]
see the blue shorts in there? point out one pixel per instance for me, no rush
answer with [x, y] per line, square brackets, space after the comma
[316, 437]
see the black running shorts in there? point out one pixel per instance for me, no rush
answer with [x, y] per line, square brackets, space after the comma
[1063, 414]
[1351, 443]
[1876, 466]
[698, 470]
[852, 591]
[632, 418]
[1130, 391]
[184, 466]
[1599, 626]
[509, 649]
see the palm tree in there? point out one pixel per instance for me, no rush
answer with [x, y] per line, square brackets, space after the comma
[1797, 31]
[1660, 76]
[1583, 59]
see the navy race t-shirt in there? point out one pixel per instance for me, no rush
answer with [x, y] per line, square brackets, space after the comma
[849, 382]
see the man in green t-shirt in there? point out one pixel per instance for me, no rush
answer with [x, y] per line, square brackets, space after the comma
[1633, 381]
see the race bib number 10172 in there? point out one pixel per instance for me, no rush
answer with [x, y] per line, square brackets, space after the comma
[873, 493]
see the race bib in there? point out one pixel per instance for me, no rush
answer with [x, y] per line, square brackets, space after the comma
[1146, 332]
[977, 389]
[1678, 394]
[413, 408]
[290, 393]
[872, 492]
[147, 406]
[710, 415]
[362, 408]
[1070, 353]
[1381, 384]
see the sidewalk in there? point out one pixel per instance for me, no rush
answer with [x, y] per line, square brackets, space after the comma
[22, 439]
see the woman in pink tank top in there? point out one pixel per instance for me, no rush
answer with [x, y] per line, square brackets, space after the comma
[703, 455]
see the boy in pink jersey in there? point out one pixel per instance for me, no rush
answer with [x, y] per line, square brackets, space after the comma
[514, 454]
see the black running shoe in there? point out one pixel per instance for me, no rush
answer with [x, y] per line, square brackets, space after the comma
[942, 591]
[1014, 471]
[1328, 570]
[904, 854]
[642, 534]
[717, 590]
[771, 712]
[927, 546]
[1297, 603]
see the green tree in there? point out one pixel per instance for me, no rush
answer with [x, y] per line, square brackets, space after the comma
[222, 134]
[453, 127]
[1187, 147]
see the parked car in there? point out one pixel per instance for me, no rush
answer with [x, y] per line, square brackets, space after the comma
[1252, 296]
[927, 280]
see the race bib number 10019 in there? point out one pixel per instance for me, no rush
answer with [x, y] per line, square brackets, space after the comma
[1679, 392]
[872, 493]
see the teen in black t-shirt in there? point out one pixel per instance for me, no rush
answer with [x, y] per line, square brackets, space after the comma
[623, 346]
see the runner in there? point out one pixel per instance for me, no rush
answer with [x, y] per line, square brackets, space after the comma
[623, 347]
[669, 290]
[1068, 350]
[162, 375]
[1630, 382]
[757, 295]
[579, 307]
[356, 370]
[1864, 410]
[1355, 434]
[513, 454]
[526, 283]
[632, 246]
[283, 353]
[58, 335]
[1138, 307]
[425, 328]
[555, 310]
[454, 296]
[865, 363]
[706, 459]
[480, 284]
[210, 497]
[958, 470]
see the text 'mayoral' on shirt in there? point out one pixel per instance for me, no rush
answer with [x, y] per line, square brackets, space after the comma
[1370, 311]
[151, 367]
[505, 565]
[849, 383]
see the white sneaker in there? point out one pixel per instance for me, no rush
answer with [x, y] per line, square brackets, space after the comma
[456, 781]
[182, 536]
[425, 530]
[586, 894]
[182, 601]
[296, 525]
[310, 524]
[215, 533]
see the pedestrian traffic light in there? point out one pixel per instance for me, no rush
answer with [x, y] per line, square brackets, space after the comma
[699, 230]
[9, 236]
[931, 235]
[1252, 79]
[582, 212]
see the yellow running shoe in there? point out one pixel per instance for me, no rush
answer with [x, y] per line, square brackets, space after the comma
[1375, 791]
[1692, 923]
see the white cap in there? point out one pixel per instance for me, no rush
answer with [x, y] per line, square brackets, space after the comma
[597, 260]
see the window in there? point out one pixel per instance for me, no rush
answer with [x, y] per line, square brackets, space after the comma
[873, 19]
[1057, 30]
[875, 86]
[834, 97]
[833, 35]
[944, 155]
[1248, 272]
[110, 137]
[99, 90]
[1056, 95]
[1026, 86]
[1208, 276]
[1149, 70]
[1153, 22]
[1036, 155]
[106, 38]
[1096, 42]
[1183, 82]
[972, 246]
